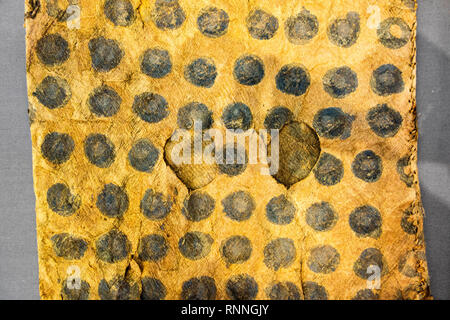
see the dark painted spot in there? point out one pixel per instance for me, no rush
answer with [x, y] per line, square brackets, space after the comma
[120, 12]
[213, 22]
[113, 246]
[52, 49]
[156, 63]
[408, 223]
[366, 221]
[321, 216]
[409, 262]
[153, 247]
[237, 116]
[365, 294]
[62, 201]
[302, 27]
[99, 150]
[314, 291]
[168, 14]
[241, 287]
[279, 253]
[367, 166]
[329, 170]
[236, 249]
[387, 80]
[280, 210]
[369, 257]
[198, 206]
[74, 289]
[323, 259]
[388, 39]
[68, 247]
[293, 79]
[277, 118]
[239, 206]
[118, 289]
[283, 291]
[104, 101]
[106, 54]
[261, 25]
[201, 72]
[195, 245]
[53, 92]
[152, 289]
[402, 164]
[57, 147]
[340, 82]
[112, 201]
[332, 123]
[53, 9]
[248, 70]
[143, 156]
[409, 292]
[233, 160]
[155, 206]
[299, 150]
[410, 3]
[201, 288]
[150, 107]
[195, 112]
[344, 32]
[384, 121]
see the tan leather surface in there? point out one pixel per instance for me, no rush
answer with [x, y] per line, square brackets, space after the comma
[319, 264]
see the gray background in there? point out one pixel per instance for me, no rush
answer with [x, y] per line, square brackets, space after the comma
[18, 252]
